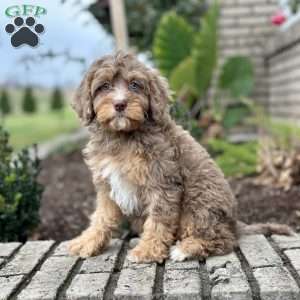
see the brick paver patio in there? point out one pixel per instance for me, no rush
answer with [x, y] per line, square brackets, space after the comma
[262, 268]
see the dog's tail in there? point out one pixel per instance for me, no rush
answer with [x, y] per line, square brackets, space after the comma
[263, 228]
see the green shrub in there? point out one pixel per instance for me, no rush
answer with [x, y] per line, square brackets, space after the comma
[234, 159]
[5, 107]
[29, 101]
[57, 100]
[20, 192]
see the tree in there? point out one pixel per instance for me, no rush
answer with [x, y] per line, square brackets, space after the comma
[5, 107]
[144, 15]
[29, 101]
[57, 100]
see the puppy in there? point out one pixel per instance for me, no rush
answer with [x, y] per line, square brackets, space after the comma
[150, 170]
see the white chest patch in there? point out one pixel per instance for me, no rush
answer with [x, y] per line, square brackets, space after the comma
[122, 191]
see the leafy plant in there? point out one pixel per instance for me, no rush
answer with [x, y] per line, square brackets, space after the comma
[20, 192]
[191, 65]
[181, 39]
[185, 70]
[57, 99]
[181, 53]
[234, 114]
[5, 107]
[205, 52]
[29, 101]
[237, 77]
[234, 159]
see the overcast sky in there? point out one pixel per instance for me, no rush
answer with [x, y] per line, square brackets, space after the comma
[66, 28]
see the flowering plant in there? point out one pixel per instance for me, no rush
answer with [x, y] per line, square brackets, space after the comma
[288, 10]
[279, 18]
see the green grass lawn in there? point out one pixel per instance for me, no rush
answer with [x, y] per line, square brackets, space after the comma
[28, 129]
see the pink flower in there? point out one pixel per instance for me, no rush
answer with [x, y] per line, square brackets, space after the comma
[279, 18]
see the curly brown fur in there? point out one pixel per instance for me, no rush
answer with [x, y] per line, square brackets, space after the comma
[148, 169]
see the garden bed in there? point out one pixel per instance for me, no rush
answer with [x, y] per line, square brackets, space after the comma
[69, 197]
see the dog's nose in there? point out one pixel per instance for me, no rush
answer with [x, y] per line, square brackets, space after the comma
[120, 106]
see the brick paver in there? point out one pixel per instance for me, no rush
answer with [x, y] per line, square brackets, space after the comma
[182, 284]
[46, 282]
[104, 262]
[294, 258]
[7, 249]
[9, 285]
[228, 280]
[258, 251]
[27, 258]
[287, 242]
[136, 281]
[41, 270]
[276, 283]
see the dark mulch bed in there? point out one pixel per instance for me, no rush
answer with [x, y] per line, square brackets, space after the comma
[69, 197]
[258, 203]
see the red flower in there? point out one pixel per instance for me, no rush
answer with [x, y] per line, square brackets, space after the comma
[279, 18]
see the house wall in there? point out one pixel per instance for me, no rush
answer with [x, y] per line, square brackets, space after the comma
[245, 27]
[283, 61]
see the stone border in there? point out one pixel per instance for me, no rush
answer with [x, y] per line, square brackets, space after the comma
[260, 269]
[48, 147]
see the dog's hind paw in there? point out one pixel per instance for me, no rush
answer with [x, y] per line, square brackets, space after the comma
[176, 254]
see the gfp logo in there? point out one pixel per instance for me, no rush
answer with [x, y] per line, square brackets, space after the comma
[24, 29]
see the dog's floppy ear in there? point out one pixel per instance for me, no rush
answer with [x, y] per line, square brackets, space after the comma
[82, 102]
[160, 94]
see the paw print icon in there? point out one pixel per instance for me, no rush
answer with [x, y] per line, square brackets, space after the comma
[24, 32]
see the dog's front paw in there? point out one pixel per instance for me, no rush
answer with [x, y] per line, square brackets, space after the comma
[147, 253]
[86, 245]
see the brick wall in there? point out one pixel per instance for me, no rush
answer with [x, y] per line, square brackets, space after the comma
[283, 60]
[245, 27]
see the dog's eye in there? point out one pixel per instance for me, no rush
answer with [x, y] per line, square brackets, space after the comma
[134, 86]
[106, 86]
